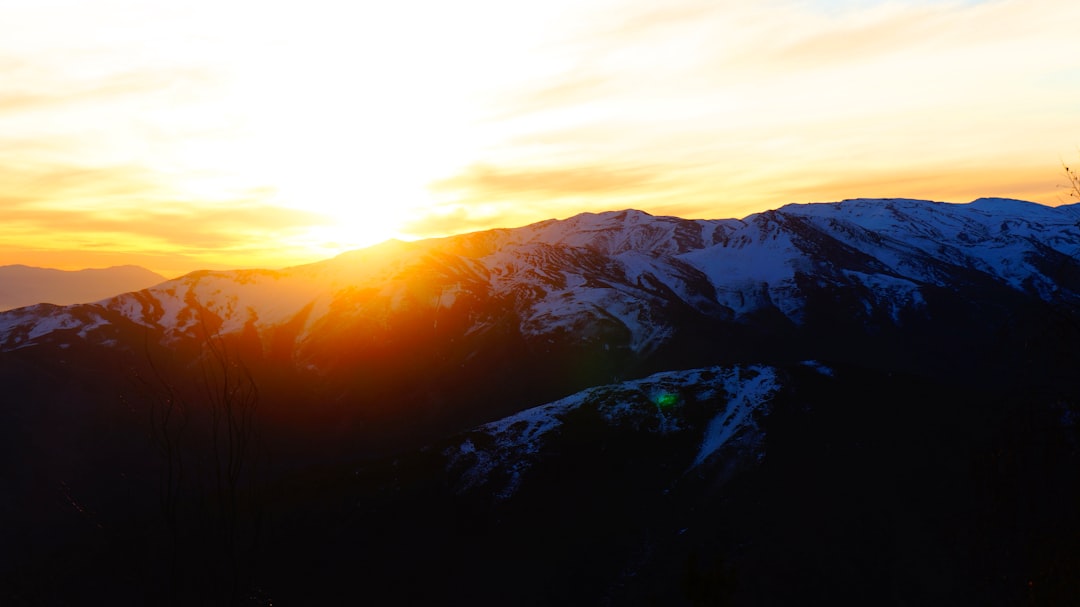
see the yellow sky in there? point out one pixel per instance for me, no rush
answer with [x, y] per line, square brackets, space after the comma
[228, 133]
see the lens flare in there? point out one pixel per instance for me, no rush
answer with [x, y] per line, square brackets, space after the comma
[665, 400]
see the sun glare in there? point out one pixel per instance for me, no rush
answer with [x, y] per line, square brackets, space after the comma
[350, 117]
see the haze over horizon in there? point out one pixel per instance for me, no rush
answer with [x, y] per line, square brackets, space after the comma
[237, 134]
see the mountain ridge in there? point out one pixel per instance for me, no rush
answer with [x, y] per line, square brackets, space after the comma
[618, 269]
[22, 285]
[855, 402]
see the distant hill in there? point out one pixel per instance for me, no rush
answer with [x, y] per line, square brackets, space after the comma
[24, 285]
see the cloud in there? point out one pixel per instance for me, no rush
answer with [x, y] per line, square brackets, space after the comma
[55, 91]
[453, 219]
[581, 86]
[947, 184]
[41, 185]
[832, 45]
[128, 208]
[173, 225]
[743, 97]
[720, 61]
[170, 238]
[488, 183]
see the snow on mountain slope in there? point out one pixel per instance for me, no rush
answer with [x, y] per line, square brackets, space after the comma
[574, 289]
[502, 452]
[616, 232]
[894, 248]
[755, 267]
[21, 327]
[263, 297]
[747, 396]
[227, 300]
[620, 278]
[915, 238]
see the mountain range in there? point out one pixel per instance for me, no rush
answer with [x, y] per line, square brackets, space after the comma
[865, 401]
[24, 285]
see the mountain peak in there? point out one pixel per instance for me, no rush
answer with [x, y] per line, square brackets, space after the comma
[996, 203]
[1013, 208]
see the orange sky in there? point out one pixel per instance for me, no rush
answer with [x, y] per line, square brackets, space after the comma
[228, 133]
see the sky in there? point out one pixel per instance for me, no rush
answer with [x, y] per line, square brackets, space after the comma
[213, 134]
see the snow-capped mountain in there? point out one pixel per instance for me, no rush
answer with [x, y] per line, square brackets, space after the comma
[613, 408]
[618, 276]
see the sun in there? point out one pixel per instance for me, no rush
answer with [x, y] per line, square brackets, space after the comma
[362, 165]
[350, 127]
[345, 114]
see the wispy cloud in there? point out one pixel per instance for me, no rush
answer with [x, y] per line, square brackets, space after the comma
[181, 226]
[93, 210]
[457, 219]
[487, 183]
[871, 94]
[51, 92]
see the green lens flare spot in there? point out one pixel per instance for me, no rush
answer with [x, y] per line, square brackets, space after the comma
[665, 400]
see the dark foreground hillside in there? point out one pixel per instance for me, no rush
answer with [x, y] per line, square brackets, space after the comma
[855, 486]
[872, 489]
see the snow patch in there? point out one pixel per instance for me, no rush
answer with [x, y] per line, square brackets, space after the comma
[517, 439]
[747, 397]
